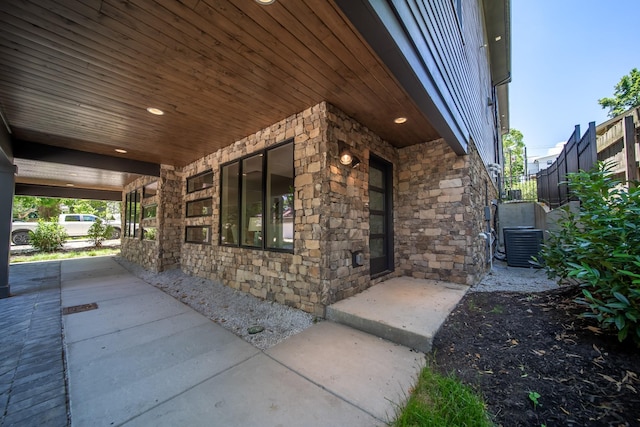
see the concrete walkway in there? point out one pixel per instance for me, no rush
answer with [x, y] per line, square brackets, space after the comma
[143, 358]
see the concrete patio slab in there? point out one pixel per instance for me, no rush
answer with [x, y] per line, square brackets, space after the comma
[144, 358]
[258, 392]
[106, 345]
[110, 288]
[114, 315]
[121, 384]
[403, 310]
[371, 373]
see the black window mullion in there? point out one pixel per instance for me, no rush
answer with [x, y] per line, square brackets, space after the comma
[241, 233]
[264, 199]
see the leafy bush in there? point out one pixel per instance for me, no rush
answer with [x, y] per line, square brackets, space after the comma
[99, 232]
[48, 236]
[599, 247]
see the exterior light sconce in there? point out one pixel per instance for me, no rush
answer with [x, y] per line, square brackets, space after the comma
[346, 157]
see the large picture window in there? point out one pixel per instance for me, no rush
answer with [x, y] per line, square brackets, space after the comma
[229, 219]
[252, 186]
[132, 214]
[279, 219]
[257, 200]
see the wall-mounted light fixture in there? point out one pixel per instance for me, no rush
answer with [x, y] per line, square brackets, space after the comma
[346, 157]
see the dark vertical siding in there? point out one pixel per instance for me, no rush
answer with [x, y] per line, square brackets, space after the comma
[458, 61]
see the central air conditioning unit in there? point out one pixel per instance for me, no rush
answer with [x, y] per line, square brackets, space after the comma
[522, 245]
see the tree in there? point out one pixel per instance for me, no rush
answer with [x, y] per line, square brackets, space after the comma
[48, 208]
[25, 207]
[513, 149]
[625, 96]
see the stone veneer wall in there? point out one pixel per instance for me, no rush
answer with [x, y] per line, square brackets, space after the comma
[170, 217]
[345, 214]
[440, 213]
[288, 278]
[163, 253]
[143, 252]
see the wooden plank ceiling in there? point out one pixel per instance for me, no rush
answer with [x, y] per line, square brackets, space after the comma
[80, 74]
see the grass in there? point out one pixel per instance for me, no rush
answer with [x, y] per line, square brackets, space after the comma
[49, 256]
[442, 401]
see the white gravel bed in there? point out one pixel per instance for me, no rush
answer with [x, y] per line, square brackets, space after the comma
[234, 310]
[514, 279]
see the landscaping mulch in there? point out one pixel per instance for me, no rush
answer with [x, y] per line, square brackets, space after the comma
[507, 345]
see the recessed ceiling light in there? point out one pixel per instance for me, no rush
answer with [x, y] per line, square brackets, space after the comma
[400, 120]
[265, 2]
[120, 150]
[73, 174]
[498, 38]
[70, 185]
[156, 111]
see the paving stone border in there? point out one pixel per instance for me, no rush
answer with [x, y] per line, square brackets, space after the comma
[33, 388]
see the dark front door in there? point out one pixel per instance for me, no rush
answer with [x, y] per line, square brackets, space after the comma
[380, 215]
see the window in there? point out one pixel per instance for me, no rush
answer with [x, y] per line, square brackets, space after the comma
[149, 211]
[280, 197]
[150, 190]
[200, 182]
[198, 234]
[200, 207]
[131, 214]
[149, 233]
[252, 187]
[380, 216]
[257, 200]
[89, 218]
[229, 204]
[72, 218]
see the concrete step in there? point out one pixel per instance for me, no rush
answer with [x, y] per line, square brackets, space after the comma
[403, 310]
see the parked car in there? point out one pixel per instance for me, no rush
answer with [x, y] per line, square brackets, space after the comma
[76, 225]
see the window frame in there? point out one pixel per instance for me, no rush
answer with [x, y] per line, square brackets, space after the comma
[145, 231]
[186, 207]
[148, 207]
[199, 175]
[240, 160]
[133, 200]
[197, 242]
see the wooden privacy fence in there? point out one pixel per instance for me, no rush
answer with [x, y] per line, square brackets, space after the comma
[577, 154]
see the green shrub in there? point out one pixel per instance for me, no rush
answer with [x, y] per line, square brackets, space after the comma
[99, 232]
[599, 247]
[48, 236]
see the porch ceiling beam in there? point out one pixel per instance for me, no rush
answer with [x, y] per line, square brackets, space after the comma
[34, 151]
[66, 192]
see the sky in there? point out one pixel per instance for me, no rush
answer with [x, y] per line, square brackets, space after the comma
[567, 54]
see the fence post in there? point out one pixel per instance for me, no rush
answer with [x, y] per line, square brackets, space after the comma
[593, 147]
[630, 148]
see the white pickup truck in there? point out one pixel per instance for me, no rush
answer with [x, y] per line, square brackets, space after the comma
[74, 224]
